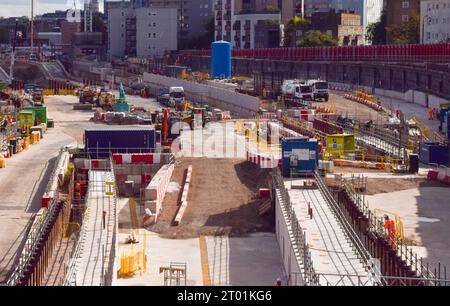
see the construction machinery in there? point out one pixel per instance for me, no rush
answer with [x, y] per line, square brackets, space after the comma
[319, 90]
[198, 117]
[106, 100]
[37, 96]
[176, 96]
[86, 95]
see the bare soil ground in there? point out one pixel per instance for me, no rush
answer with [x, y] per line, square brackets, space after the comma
[222, 199]
[375, 185]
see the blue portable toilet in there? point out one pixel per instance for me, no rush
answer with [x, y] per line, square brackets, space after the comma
[221, 59]
[299, 154]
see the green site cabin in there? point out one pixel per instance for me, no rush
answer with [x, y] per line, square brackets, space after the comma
[40, 114]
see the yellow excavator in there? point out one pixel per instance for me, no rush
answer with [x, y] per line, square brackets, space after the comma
[106, 100]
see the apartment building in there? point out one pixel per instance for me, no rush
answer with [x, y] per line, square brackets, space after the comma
[142, 32]
[435, 21]
[399, 12]
[344, 26]
[235, 21]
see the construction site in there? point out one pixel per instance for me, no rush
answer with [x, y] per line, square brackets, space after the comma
[209, 179]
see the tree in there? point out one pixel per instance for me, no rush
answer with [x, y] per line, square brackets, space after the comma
[317, 39]
[406, 33]
[376, 32]
[290, 30]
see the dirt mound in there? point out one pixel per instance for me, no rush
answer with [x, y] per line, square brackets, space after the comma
[222, 199]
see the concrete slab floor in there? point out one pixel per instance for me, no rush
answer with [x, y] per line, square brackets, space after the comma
[240, 261]
[425, 213]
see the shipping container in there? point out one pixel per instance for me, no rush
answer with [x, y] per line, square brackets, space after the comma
[40, 114]
[434, 153]
[299, 155]
[100, 142]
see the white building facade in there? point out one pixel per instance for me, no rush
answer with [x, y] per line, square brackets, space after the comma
[435, 21]
[142, 32]
[156, 31]
[239, 29]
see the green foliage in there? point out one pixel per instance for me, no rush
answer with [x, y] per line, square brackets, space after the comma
[376, 32]
[290, 30]
[316, 39]
[407, 32]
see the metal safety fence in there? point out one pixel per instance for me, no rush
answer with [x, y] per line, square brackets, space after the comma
[424, 273]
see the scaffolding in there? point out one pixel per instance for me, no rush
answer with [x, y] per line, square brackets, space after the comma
[174, 274]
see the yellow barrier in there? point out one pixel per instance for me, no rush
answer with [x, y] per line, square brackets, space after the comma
[132, 262]
[48, 92]
[60, 92]
[397, 220]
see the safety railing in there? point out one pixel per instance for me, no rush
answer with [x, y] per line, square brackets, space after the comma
[34, 237]
[404, 252]
[36, 233]
[71, 269]
[331, 279]
[299, 239]
[352, 235]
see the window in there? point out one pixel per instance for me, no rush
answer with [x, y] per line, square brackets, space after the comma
[154, 35]
[154, 24]
[405, 4]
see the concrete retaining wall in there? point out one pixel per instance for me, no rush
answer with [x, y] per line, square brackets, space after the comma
[218, 97]
[156, 189]
[289, 253]
[410, 96]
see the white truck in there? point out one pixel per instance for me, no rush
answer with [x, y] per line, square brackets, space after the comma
[296, 89]
[176, 95]
[319, 90]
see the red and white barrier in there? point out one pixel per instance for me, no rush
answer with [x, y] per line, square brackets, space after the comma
[184, 196]
[363, 101]
[263, 161]
[142, 158]
[441, 174]
[83, 163]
